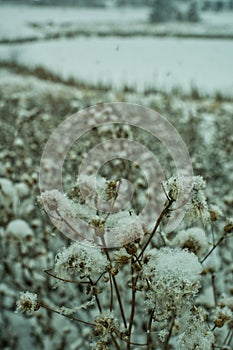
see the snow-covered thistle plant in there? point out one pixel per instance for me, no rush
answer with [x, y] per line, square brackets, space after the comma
[70, 304]
[146, 291]
[156, 290]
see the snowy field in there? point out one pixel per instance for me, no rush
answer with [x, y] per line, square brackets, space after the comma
[162, 63]
[141, 62]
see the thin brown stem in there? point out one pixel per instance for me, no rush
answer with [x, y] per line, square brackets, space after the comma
[133, 301]
[229, 341]
[129, 342]
[163, 213]
[213, 248]
[228, 337]
[115, 284]
[67, 316]
[213, 328]
[119, 300]
[73, 281]
[114, 200]
[98, 303]
[214, 288]
[148, 332]
[117, 346]
[166, 345]
[111, 291]
[65, 280]
[96, 296]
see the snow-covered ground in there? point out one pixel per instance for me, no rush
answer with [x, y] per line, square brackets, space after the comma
[141, 62]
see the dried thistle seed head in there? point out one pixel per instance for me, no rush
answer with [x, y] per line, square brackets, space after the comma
[28, 302]
[194, 331]
[131, 248]
[101, 345]
[122, 260]
[213, 215]
[194, 239]
[78, 259]
[105, 324]
[111, 190]
[114, 271]
[196, 206]
[99, 223]
[74, 192]
[108, 267]
[98, 226]
[222, 316]
[215, 212]
[52, 204]
[228, 228]
[99, 232]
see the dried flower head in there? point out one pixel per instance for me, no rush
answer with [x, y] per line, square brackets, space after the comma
[194, 239]
[174, 275]
[79, 260]
[129, 227]
[105, 324]
[28, 302]
[122, 258]
[222, 316]
[196, 206]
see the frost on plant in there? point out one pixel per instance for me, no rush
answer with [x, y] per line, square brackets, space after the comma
[194, 239]
[154, 290]
[157, 275]
[196, 206]
[195, 333]
[79, 261]
[28, 302]
[174, 278]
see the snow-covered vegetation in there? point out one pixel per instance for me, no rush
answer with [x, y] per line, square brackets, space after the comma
[132, 249]
[177, 293]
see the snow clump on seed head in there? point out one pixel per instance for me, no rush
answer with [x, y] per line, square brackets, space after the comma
[174, 276]
[28, 302]
[80, 260]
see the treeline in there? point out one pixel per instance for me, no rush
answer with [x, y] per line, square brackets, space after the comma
[88, 3]
[155, 5]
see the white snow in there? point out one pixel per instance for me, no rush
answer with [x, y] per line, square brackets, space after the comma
[19, 229]
[141, 62]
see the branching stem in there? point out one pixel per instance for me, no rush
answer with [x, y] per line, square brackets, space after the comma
[163, 213]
